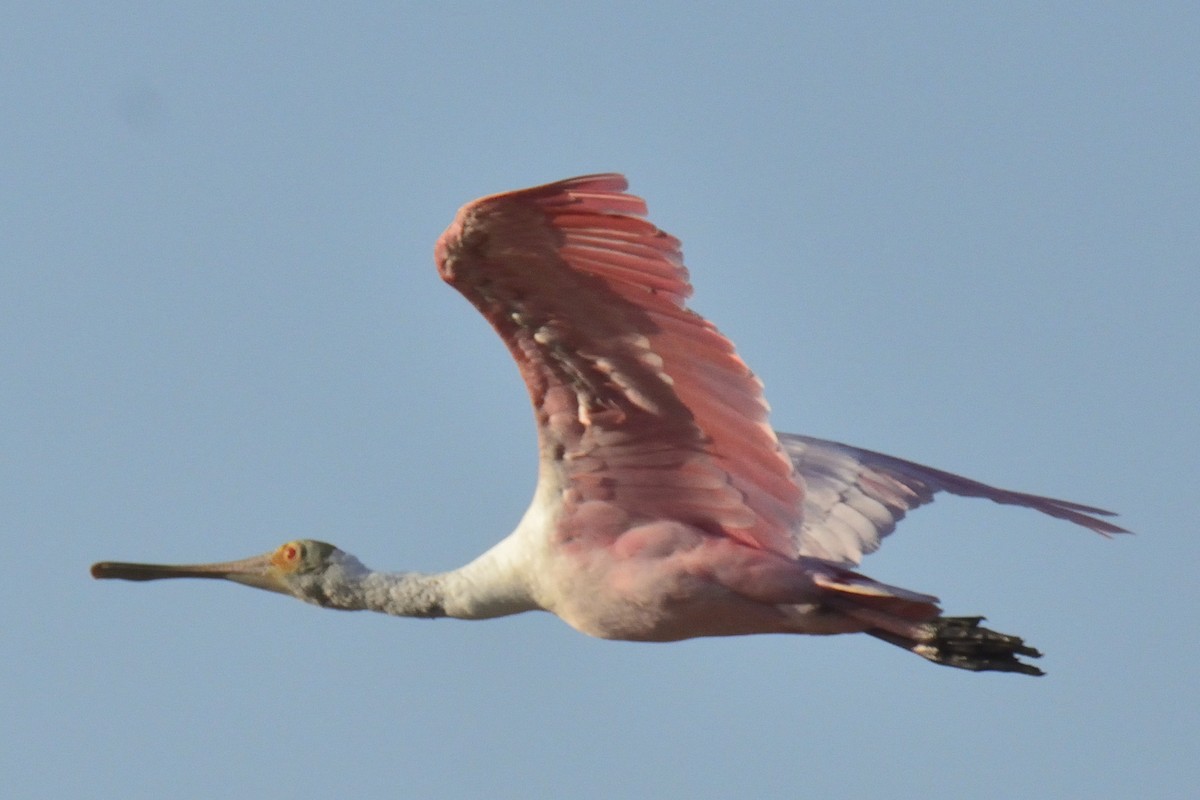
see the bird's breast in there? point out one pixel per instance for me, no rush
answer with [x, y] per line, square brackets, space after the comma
[656, 582]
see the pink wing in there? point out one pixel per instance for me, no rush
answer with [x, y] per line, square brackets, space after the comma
[643, 403]
[854, 498]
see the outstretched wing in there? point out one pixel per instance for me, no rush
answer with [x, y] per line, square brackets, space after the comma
[642, 406]
[854, 498]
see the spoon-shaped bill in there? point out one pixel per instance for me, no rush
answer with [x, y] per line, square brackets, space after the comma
[257, 571]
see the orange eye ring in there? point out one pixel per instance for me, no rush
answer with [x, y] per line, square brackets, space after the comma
[288, 556]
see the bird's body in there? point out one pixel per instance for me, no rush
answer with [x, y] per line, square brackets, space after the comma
[666, 507]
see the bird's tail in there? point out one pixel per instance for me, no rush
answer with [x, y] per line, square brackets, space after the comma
[869, 600]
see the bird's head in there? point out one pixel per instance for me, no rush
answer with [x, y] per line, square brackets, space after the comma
[305, 568]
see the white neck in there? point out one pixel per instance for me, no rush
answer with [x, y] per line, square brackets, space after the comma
[492, 585]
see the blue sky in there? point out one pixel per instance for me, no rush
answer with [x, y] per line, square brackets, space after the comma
[961, 234]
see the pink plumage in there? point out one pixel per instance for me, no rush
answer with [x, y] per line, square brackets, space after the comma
[659, 431]
[652, 409]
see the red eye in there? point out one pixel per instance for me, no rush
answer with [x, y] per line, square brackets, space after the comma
[287, 557]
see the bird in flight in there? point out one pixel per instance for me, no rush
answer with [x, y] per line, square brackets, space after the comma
[666, 507]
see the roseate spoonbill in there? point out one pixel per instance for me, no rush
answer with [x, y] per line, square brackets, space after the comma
[666, 508]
